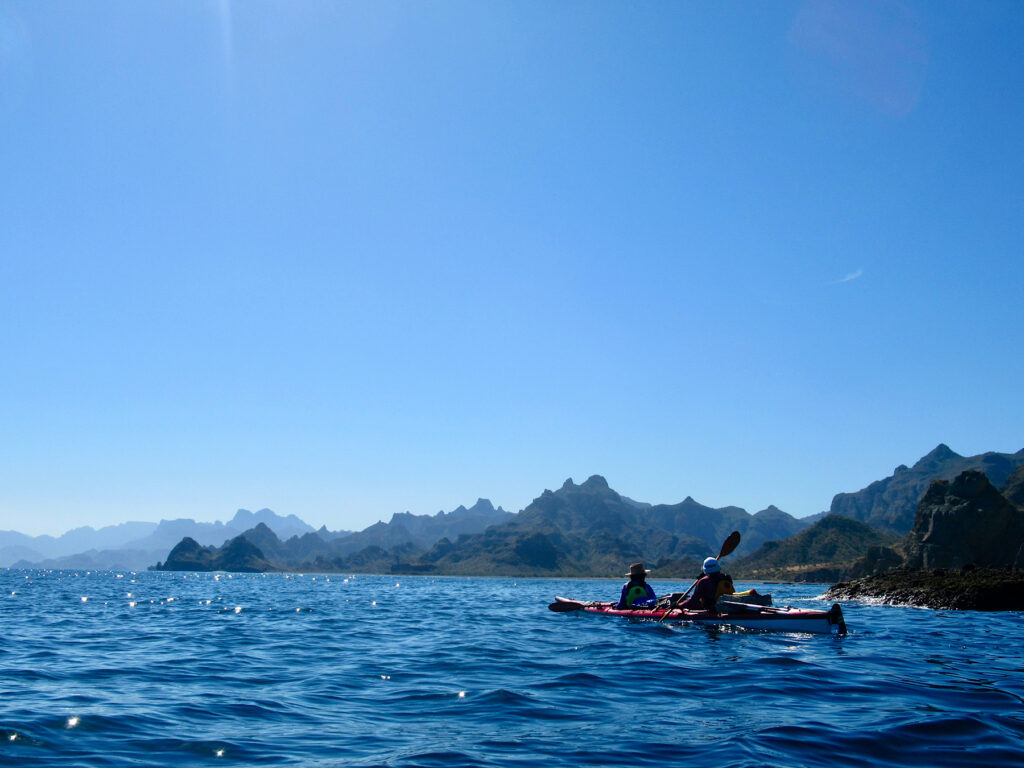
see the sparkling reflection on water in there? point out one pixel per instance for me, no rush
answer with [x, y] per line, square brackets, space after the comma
[123, 669]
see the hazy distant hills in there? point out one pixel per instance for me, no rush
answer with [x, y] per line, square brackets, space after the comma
[423, 531]
[889, 504]
[18, 546]
[133, 545]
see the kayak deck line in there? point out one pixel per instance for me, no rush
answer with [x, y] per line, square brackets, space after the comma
[754, 617]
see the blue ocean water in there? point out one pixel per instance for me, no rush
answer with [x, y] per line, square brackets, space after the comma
[160, 669]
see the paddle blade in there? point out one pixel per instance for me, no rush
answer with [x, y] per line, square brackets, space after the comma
[561, 606]
[731, 542]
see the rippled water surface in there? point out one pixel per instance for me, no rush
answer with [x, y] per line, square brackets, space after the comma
[151, 669]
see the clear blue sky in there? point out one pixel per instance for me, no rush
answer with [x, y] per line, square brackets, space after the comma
[346, 259]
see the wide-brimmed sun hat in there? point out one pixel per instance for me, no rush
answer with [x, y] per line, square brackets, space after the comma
[637, 569]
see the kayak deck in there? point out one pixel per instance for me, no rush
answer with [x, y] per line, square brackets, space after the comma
[753, 617]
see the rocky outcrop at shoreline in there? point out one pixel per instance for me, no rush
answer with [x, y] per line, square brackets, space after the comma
[965, 551]
[969, 589]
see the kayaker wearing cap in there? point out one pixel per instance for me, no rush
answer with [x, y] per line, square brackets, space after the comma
[712, 585]
[637, 593]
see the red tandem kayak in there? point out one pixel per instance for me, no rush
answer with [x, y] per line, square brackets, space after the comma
[755, 617]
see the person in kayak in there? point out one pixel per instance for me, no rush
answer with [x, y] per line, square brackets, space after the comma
[711, 586]
[637, 593]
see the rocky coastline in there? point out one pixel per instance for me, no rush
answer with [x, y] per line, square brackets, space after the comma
[965, 551]
[969, 589]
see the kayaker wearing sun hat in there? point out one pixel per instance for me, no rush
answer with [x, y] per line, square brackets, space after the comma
[637, 593]
[712, 585]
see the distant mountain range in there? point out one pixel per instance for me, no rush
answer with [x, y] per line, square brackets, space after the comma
[579, 530]
[374, 548]
[423, 531]
[589, 529]
[134, 545]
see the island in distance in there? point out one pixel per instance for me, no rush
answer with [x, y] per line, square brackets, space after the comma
[591, 530]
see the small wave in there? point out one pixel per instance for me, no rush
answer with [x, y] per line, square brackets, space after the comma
[440, 759]
[582, 680]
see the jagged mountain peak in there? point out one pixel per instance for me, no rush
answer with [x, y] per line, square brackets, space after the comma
[593, 484]
[283, 526]
[262, 515]
[482, 506]
[939, 453]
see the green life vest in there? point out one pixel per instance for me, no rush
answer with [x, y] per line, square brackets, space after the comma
[636, 592]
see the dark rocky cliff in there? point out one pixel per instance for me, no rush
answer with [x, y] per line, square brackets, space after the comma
[966, 521]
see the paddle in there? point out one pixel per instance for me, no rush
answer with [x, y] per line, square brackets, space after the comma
[564, 605]
[731, 542]
[561, 606]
